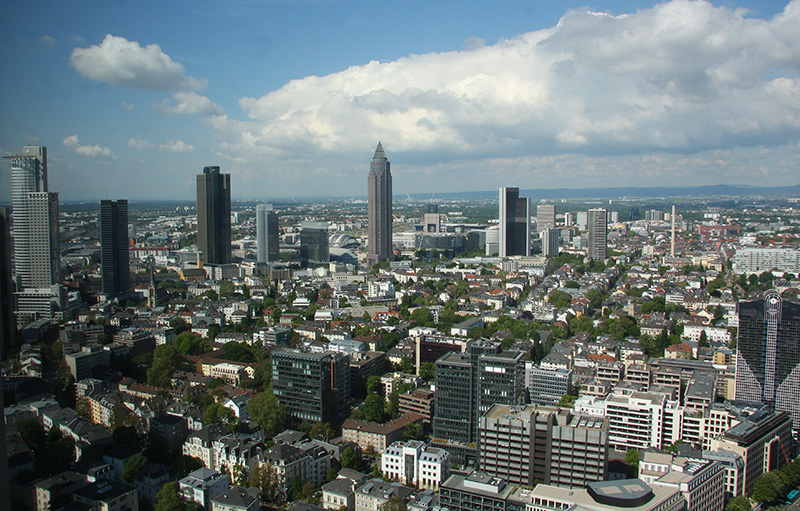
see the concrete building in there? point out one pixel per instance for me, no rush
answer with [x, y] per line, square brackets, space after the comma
[376, 493]
[314, 245]
[758, 260]
[551, 239]
[108, 495]
[379, 208]
[546, 386]
[214, 216]
[515, 223]
[598, 234]
[545, 217]
[413, 463]
[701, 481]
[616, 495]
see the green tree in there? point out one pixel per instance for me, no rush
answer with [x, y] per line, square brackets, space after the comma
[321, 429]
[268, 412]
[427, 371]
[132, 467]
[461, 288]
[769, 487]
[559, 299]
[165, 362]
[266, 480]
[226, 289]
[567, 401]
[632, 459]
[740, 503]
[374, 408]
[168, 498]
[413, 431]
[218, 414]
[180, 325]
[350, 459]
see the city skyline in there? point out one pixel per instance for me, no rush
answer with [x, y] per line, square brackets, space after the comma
[535, 95]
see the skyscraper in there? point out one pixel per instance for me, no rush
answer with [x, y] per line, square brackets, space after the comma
[550, 241]
[515, 223]
[545, 217]
[214, 216]
[267, 243]
[598, 234]
[379, 208]
[37, 260]
[114, 255]
[768, 362]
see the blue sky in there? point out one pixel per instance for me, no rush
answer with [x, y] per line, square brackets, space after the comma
[133, 98]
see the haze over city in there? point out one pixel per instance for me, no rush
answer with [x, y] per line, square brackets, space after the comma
[133, 99]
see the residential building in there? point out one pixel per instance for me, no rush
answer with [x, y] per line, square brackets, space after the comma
[237, 499]
[750, 261]
[413, 463]
[377, 437]
[701, 481]
[114, 247]
[108, 495]
[315, 387]
[545, 217]
[214, 216]
[379, 208]
[768, 361]
[598, 234]
[374, 494]
[267, 234]
[515, 223]
[202, 485]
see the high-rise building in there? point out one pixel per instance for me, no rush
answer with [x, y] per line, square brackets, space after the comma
[515, 223]
[7, 324]
[379, 208]
[214, 216]
[550, 242]
[768, 362]
[114, 251]
[314, 387]
[598, 234]
[314, 244]
[545, 217]
[267, 241]
[37, 260]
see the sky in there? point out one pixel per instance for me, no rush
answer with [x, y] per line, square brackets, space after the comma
[134, 98]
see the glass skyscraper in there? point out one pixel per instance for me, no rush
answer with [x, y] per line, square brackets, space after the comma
[214, 216]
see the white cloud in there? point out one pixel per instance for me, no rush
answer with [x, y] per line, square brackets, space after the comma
[94, 151]
[48, 40]
[684, 76]
[122, 63]
[139, 144]
[127, 106]
[189, 102]
[177, 146]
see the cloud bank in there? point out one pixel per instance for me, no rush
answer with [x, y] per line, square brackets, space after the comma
[122, 63]
[683, 77]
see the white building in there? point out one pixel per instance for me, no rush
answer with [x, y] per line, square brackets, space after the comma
[758, 260]
[415, 464]
[701, 481]
[202, 485]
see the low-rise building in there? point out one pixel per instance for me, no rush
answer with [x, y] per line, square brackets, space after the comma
[202, 485]
[414, 464]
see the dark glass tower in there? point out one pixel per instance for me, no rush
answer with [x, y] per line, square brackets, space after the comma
[768, 361]
[214, 216]
[267, 236]
[114, 255]
[515, 223]
[7, 323]
[379, 208]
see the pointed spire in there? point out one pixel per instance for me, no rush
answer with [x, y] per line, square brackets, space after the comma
[379, 154]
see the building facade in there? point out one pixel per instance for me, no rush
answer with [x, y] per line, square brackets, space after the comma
[314, 245]
[598, 234]
[114, 250]
[768, 362]
[545, 217]
[515, 223]
[267, 235]
[379, 208]
[214, 216]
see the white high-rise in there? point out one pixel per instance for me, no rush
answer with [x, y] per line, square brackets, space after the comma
[37, 261]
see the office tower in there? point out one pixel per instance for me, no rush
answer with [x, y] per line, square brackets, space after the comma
[634, 215]
[267, 242]
[598, 236]
[768, 362]
[582, 220]
[467, 385]
[214, 216]
[515, 223]
[672, 234]
[7, 324]
[314, 244]
[433, 208]
[114, 255]
[314, 387]
[550, 242]
[379, 208]
[545, 217]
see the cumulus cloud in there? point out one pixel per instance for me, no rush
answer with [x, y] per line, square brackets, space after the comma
[139, 144]
[177, 146]
[94, 151]
[127, 106]
[122, 63]
[48, 40]
[189, 102]
[684, 76]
